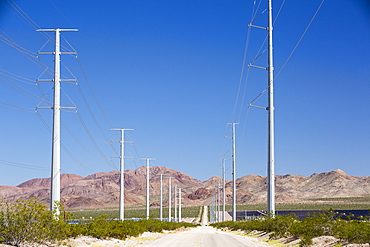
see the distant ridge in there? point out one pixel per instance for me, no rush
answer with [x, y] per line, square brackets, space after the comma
[101, 189]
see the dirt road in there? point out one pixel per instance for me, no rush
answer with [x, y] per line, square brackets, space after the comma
[204, 236]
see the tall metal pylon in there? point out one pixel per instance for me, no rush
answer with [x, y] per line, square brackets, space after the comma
[175, 201]
[147, 185]
[270, 108]
[161, 202]
[223, 191]
[169, 199]
[271, 133]
[55, 164]
[218, 200]
[180, 216]
[122, 175]
[234, 170]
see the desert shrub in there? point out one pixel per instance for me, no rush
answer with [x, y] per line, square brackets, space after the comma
[280, 225]
[29, 221]
[353, 231]
[277, 224]
[305, 241]
[158, 226]
[102, 227]
[317, 224]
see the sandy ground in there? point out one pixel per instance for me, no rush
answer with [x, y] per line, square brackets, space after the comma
[323, 241]
[147, 238]
[87, 241]
[153, 239]
[93, 242]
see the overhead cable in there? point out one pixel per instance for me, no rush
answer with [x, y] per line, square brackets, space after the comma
[19, 165]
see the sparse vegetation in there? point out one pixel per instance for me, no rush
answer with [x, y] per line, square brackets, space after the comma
[102, 228]
[317, 224]
[28, 222]
[312, 204]
[139, 212]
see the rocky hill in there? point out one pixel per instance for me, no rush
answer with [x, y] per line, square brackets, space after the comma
[102, 189]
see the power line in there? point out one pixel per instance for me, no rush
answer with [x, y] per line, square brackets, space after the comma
[291, 53]
[19, 165]
[56, 7]
[33, 57]
[137, 153]
[37, 61]
[63, 146]
[23, 14]
[17, 77]
[78, 141]
[21, 90]
[93, 93]
[17, 108]
[300, 39]
[242, 69]
[9, 41]
[254, 17]
[29, 20]
[110, 163]
[93, 117]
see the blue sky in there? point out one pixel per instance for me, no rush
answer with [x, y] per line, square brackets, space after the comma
[171, 70]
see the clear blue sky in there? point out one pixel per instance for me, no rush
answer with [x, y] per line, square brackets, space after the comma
[171, 70]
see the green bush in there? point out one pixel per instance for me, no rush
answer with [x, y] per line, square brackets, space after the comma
[315, 225]
[102, 227]
[353, 231]
[29, 221]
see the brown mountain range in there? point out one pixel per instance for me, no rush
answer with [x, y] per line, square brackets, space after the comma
[102, 189]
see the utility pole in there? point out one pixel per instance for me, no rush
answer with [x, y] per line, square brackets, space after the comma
[234, 175]
[223, 190]
[122, 175]
[212, 210]
[271, 134]
[180, 205]
[175, 202]
[270, 108]
[169, 199]
[218, 201]
[55, 166]
[161, 203]
[147, 185]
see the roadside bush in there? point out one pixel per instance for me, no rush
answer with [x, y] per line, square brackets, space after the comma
[280, 225]
[277, 224]
[315, 225]
[318, 224]
[353, 231]
[29, 221]
[102, 227]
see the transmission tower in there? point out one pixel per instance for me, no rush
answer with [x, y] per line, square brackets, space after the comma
[270, 109]
[161, 200]
[169, 199]
[55, 165]
[223, 190]
[122, 175]
[234, 170]
[271, 134]
[180, 217]
[147, 185]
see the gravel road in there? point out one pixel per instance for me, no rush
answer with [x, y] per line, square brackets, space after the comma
[204, 236]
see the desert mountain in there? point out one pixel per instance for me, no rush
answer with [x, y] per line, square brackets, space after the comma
[102, 189]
